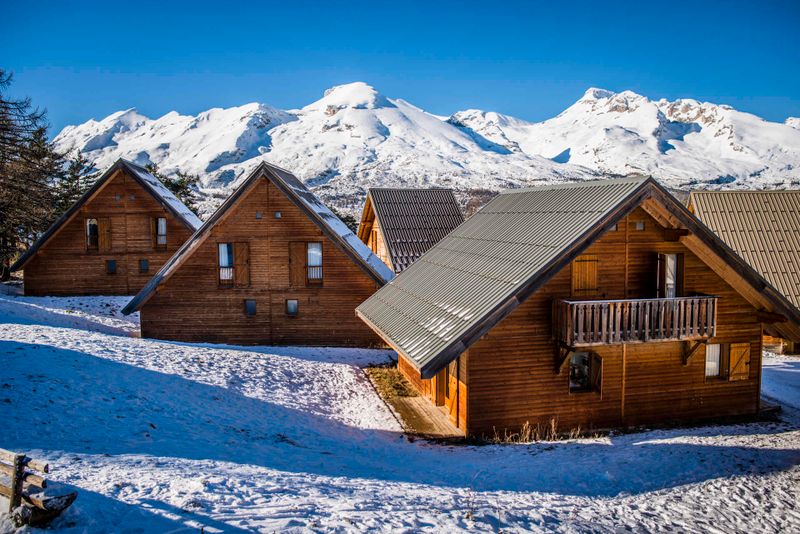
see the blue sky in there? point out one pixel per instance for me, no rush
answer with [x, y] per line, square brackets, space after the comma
[85, 60]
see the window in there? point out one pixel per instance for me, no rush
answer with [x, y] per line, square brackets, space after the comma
[250, 307]
[144, 266]
[714, 361]
[585, 370]
[277, 215]
[728, 361]
[639, 226]
[374, 241]
[314, 262]
[234, 264]
[258, 215]
[111, 266]
[160, 232]
[584, 276]
[226, 264]
[613, 228]
[92, 235]
[670, 276]
[292, 307]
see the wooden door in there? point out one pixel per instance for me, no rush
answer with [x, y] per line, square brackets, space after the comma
[297, 264]
[241, 264]
[739, 361]
[104, 234]
[584, 276]
[451, 390]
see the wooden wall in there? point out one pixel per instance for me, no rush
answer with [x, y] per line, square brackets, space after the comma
[510, 377]
[456, 406]
[63, 266]
[374, 240]
[190, 305]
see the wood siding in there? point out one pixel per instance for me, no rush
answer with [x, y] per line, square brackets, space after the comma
[191, 305]
[124, 211]
[510, 377]
[454, 405]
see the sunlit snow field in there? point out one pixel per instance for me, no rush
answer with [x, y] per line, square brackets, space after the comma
[167, 437]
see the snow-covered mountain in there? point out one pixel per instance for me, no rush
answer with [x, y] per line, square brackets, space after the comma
[794, 122]
[354, 138]
[684, 143]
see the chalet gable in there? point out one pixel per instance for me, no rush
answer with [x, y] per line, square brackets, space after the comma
[408, 221]
[489, 265]
[147, 181]
[330, 225]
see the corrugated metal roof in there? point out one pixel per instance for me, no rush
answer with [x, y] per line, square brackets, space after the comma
[150, 183]
[304, 199]
[763, 227]
[477, 269]
[413, 220]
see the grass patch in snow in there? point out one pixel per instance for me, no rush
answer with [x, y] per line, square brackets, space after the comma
[389, 382]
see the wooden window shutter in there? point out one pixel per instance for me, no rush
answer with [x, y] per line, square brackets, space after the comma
[739, 358]
[104, 234]
[661, 282]
[596, 372]
[584, 276]
[241, 264]
[153, 230]
[297, 264]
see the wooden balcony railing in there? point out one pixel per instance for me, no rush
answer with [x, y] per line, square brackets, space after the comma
[226, 276]
[605, 322]
[314, 274]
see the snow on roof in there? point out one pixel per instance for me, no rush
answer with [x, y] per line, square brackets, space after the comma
[178, 208]
[333, 223]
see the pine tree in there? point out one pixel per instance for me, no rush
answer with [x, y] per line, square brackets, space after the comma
[183, 185]
[78, 178]
[29, 167]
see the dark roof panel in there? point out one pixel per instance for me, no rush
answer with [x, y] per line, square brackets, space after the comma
[413, 220]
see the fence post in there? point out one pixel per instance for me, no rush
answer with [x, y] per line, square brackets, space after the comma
[17, 476]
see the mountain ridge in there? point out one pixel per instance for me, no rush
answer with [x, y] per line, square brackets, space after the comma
[354, 137]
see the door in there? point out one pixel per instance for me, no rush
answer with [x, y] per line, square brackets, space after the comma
[451, 390]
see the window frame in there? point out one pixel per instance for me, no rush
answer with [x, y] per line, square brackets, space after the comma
[228, 281]
[157, 238]
[87, 235]
[146, 263]
[594, 381]
[723, 363]
[314, 280]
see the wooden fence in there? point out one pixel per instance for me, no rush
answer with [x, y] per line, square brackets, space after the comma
[22, 488]
[602, 322]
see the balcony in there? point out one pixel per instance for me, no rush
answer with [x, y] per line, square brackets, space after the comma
[606, 322]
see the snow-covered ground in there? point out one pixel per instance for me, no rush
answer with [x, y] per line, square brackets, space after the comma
[167, 437]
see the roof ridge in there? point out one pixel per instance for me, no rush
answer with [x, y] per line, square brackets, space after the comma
[581, 184]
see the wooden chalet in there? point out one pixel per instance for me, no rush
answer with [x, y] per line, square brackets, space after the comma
[273, 265]
[400, 225]
[593, 305]
[763, 227]
[112, 240]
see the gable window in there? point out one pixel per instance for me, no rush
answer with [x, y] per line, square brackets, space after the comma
[585, 372]
[144, 266]
[234, 264]
[670, 276]
[92, 235]
[638, 226]
[159, 232]
[225, 264]
[250, 307]
[314, 262]
[292, 307]
[374, 241]
[584, 276]
[111, 266]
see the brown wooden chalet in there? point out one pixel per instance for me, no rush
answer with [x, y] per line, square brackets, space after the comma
[273, 265]
[400, 225]
[592, 305]
[112, 240]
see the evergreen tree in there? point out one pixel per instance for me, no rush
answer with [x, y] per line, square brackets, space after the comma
[350, 221]
[78, 178]
[29, 167]
[183, 185]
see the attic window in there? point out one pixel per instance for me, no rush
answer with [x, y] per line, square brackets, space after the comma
[132, 197]
[277, 215]
[639, 226]
[258, 215]
[117, 197]
[613, 228]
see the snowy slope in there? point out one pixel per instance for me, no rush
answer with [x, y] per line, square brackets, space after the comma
[684, 143]
[794, 122]
[173, 437]
[354, 138]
